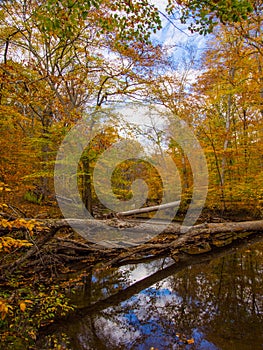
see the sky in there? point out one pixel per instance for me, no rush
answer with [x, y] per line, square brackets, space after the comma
[182, 44]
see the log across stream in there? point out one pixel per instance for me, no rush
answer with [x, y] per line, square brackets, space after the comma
[173, 240]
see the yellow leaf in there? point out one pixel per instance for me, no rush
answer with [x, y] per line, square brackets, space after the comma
[32, 334]
[5, 223]
[22, 306]
[30, 226]
[4, 308]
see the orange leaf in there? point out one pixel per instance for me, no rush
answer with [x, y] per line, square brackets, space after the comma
[190, 341]
[22, 306]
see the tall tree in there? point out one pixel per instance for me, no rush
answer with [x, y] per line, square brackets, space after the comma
[230, 116]
[59, 58]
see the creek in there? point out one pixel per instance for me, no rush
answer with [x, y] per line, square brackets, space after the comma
[208, 306]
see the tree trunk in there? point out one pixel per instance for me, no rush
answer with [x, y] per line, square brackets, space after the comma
[172, 228]
[86, 184]
[148, 209]
[172, 241]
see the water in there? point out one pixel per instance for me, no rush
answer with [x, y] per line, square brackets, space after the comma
[216, 305]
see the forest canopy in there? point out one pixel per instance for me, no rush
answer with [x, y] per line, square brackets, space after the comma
[65, 61]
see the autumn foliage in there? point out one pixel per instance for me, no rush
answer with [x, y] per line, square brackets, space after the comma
[62, 60]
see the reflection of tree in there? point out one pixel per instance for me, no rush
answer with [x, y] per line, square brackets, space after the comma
[239, 317]
[229, 296]
[98, 285]
[214, 303]
[107, 282]
[221, 299]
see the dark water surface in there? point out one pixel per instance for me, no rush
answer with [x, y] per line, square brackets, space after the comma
[216, 305]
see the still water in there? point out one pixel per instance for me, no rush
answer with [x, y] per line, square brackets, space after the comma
[217, 305]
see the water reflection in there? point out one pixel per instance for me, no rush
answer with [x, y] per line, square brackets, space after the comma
[215, 305]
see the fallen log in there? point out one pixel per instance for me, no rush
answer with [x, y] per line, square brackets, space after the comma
[149, 227]
[198, 239]
[255, 226]
[148, 209]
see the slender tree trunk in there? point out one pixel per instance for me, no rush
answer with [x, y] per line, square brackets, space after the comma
[227, 126]
[86, 183]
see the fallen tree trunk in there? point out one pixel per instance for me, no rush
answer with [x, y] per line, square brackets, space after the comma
[255, 226]
[174, 239]
[148, 209]
[147, 226]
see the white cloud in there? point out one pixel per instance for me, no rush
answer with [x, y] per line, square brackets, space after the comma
[177, 37]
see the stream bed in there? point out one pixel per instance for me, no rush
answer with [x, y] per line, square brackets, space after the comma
[216, 305]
